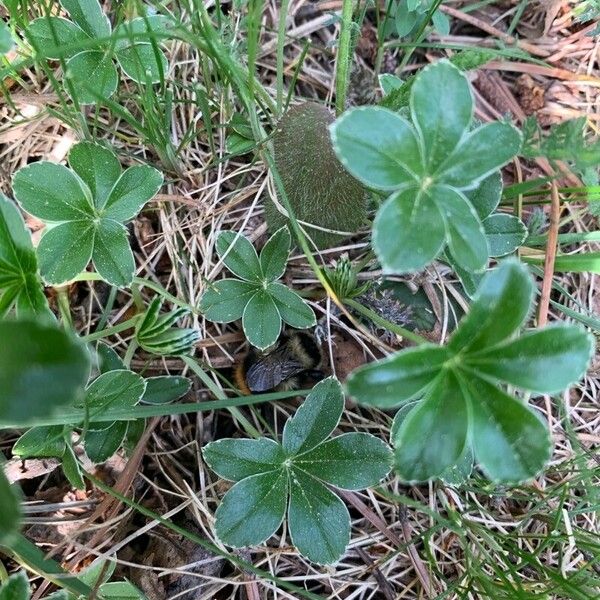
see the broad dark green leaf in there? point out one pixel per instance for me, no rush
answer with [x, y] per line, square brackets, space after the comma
[93, 76]
[318, 520]
[235, 459]
[510, 441]
[486, 196]
[274, 255]
[398, 378]
[65, 250]
[98, 167]
[434, 434]
[239, 256]
[470, 281]
[480, 153]
[121, 590]
[6, 41]
[115, 389]
[98, 573]
[253, 509]
[52, 193]
[72, 469]
[504, 233]
[441, 104]
[293, 310]
[544, 361]
[16, 587]
[459, 473]
[226, 300]
[55, 37]
[41, 442]
[316, 418]
[41, 369]
[408, 231]
[89, 16]
[389, 82]
[261, 320]
[352, 461]
[143, 63]
[112, 255]
[378, 147]
[136, 186]
[101, 444]
[10, 510]
[499, 308]
[399, 418]
[108, 359]
[465, 235]
[20, 285]
[165, 388]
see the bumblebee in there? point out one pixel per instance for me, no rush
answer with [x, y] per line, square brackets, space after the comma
[289, 365]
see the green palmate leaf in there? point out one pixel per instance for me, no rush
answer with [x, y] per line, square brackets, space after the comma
[544, 361]
[112, 255]
[71, 467]
[408, 231]
[226, 300]
[480, 153]
[55, 37]
[486, 196]
[40, 442]
[499, 308]
[253, 509]
[101, 444]
[41, 369]
[316, 418]
[114, 390]
[510, 441]
[16, 587]
[52, 193]
[504, 233]
[274, 255]
[441, 126]
[93, 76]
[89, 16]
[236, 459]
[293, 310]
[261, 320]
[352, 461]
[378, 147]
[399, 378]
[318, 520]
[143, 63]
[65, 250]
[165, 389]
[434, 434]
[20, 285]
[136, 186]
[239, 256]
[466, 238]
[10, 511]
[98, 168]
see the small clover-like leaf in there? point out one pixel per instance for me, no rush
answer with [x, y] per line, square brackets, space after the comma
[504, 233]
[10, 510]
[486, 196]
[15, 587]
[378, 147]
[55, 37]
[292, 308]
[236, 459]
[143, 63]
[226, 300]
[408, 231]
[253, 509]
[239, 256]
[318, 520]
[93, 76]
[352, 461]
[316, 418]
[261, 320]
[41, 442]
[274, 255]
[115, 389]
[165, 388]
[398, 378]
[89, 16]
[71, 467]
[101, 444]
[138, 30]
[111, 254]
[6, 41]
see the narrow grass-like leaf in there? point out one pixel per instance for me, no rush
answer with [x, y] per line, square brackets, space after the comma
[239, 256]
[236, 459]
[318, 520]
[134, 188]
[352, 461]
[274, 255]
[408, 231]
[93, 76]
[292, 308]
[399, 378]
[504, 233]
[49, 35]
[89, 16]
[226, 300]
[112, 255]
[261, 320]
[101, 444]
[316, 418]
[253, 509]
